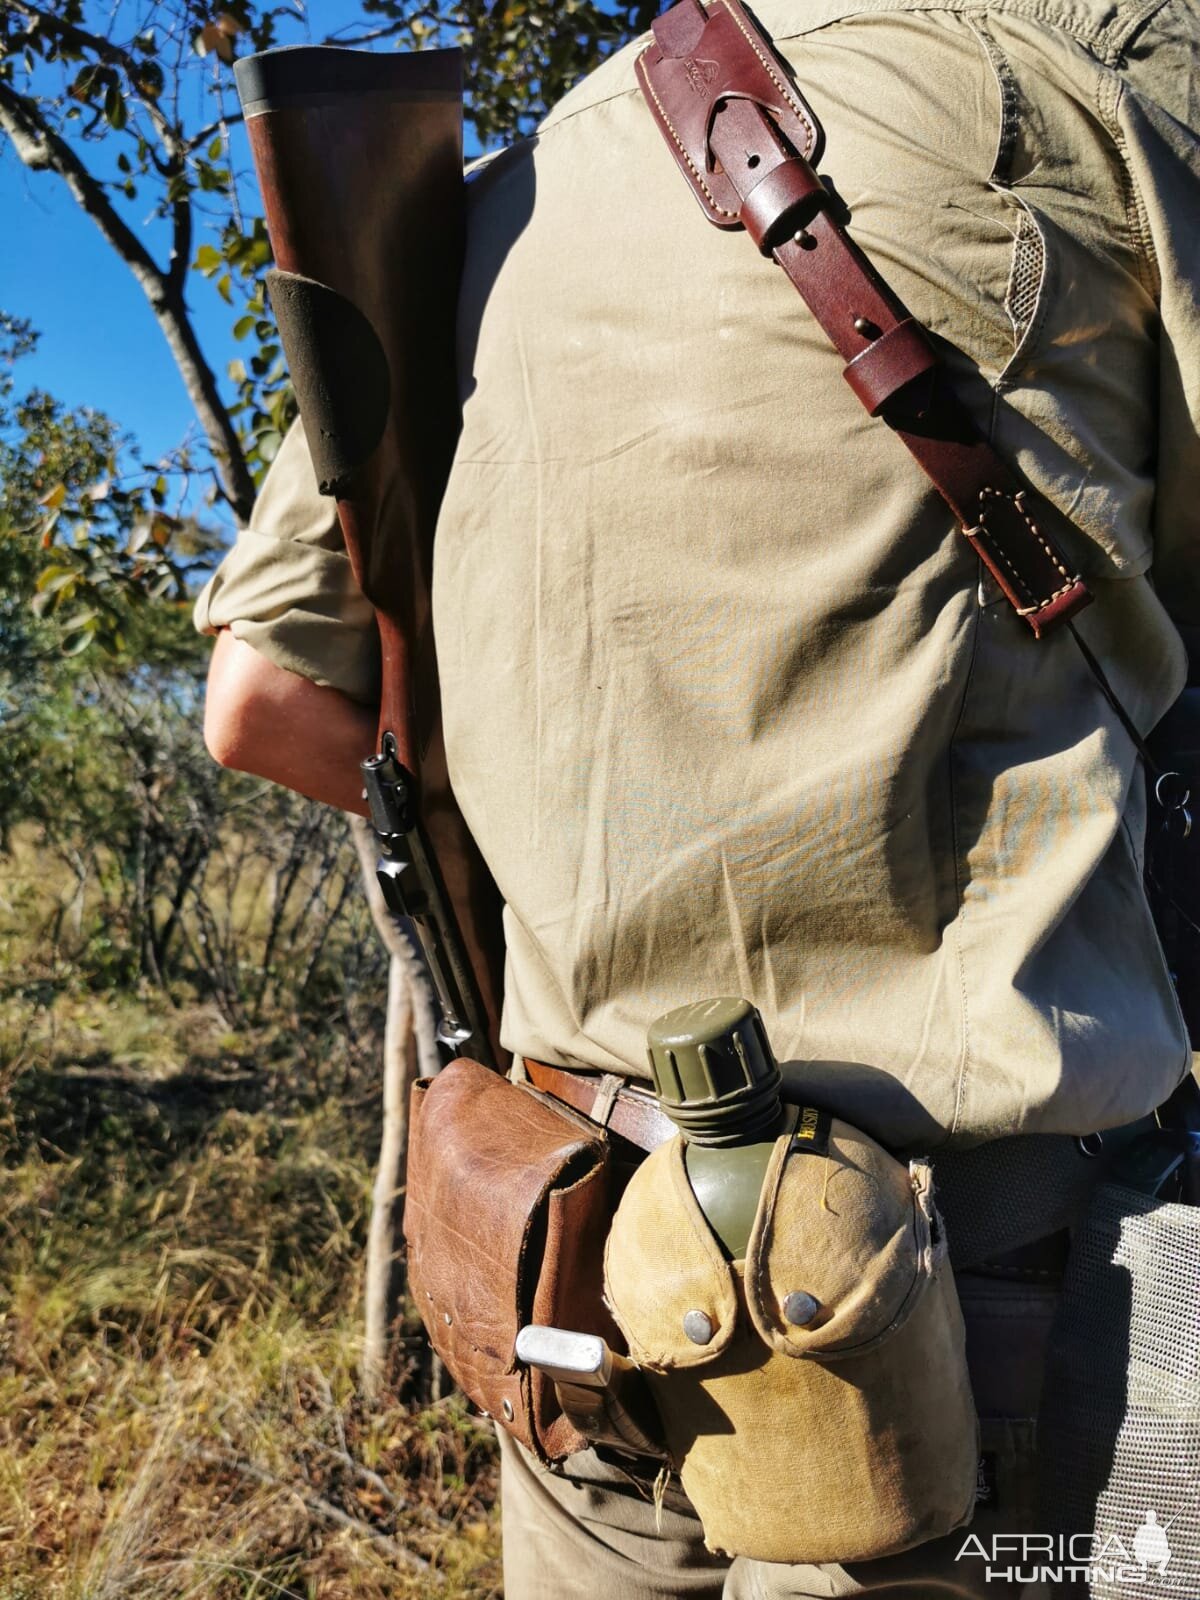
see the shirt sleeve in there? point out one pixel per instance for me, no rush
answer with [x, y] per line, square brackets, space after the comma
[286, 587]
[1160, 119]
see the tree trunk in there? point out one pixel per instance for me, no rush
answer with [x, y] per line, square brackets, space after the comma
[411, 1021]
[387, 1207]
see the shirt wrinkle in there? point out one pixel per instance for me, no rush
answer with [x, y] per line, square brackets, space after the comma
[729, 706]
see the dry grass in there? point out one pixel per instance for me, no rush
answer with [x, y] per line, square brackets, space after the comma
[181, 1227]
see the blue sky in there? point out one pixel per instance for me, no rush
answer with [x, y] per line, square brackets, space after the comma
[100, 344]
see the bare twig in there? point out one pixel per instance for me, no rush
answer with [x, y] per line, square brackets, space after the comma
[322, 1508]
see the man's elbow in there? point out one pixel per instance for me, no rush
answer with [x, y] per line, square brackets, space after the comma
[237, 703]
[222, 735]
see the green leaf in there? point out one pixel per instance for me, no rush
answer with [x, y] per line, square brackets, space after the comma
[242, 326]
[114, 107]
[123, 163]
[52, 579]
[225, 289]
[207, 259]
[81, 619]
[237, 371]
[268, 445]
[82, 85]
[215, 148]
[213, 180]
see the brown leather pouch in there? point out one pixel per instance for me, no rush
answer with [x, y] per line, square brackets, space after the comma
[508, 1208]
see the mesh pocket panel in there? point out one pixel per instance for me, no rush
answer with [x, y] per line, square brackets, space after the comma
[1025, 276]
[1120, 1424]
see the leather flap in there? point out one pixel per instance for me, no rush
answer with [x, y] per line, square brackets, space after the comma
[842, 1247]
[484, 1156]
[844, 1244]
[695, 61]
[664, 1271]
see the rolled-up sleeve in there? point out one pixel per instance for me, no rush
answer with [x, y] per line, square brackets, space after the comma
[286, 587]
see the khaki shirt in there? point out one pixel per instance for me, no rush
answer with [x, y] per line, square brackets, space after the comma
[730, 706]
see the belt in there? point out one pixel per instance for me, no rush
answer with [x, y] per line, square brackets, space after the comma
[994, 1197]
[604, 1098]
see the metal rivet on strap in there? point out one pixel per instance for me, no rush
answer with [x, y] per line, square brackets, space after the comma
[447, 1319]
[698, 1327]
[866, 327]
[800, 1308]
[507, 1408]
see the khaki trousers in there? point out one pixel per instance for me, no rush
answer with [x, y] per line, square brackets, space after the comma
[592, 1530]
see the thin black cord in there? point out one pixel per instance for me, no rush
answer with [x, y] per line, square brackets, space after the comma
[1110, 694]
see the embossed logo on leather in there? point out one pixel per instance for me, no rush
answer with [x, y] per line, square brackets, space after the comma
[700, 73]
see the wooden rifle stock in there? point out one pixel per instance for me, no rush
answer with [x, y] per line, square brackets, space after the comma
[359, 159]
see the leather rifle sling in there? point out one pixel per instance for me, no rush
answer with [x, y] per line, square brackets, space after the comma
[746, 142]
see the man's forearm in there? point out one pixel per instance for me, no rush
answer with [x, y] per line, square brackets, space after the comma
[263, 719]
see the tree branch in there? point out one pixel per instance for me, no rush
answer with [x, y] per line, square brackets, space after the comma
[219, 126]
[181, 242]
[42, 149]
[79, 39]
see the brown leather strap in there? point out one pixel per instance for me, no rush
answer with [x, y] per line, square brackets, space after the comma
[633, 1113]
[745, 140]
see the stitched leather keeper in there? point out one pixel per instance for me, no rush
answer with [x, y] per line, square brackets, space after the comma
[506, 1217]
[891, 362]
[1025, 563]
[781, 201]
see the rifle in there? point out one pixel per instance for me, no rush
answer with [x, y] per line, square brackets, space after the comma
[359, 159]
